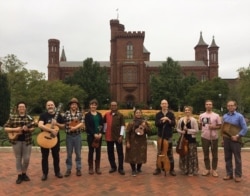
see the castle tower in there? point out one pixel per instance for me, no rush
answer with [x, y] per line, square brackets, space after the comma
[128, 69]
[213, 60]
[201, 51]
[53, 66]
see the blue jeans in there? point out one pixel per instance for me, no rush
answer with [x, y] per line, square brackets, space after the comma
[73, 142]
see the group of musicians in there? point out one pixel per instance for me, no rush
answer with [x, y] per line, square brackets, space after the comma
[20, 127]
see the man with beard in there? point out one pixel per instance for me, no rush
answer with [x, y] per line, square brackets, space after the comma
[49, 118]
[74, 121]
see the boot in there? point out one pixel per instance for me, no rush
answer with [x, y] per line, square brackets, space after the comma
[97, 167]
[91, 170]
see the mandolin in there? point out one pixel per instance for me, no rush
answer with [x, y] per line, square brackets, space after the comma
[47, 139]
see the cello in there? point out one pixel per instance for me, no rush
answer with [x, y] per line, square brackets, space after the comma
[163, 162]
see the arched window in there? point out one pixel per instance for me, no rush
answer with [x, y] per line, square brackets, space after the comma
[129, 51]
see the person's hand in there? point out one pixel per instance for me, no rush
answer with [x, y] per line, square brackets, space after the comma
[235, 138]
[128, 145]
[25, 128]
[183, 132]
[120, 139]
[54, 132]
[98, 136]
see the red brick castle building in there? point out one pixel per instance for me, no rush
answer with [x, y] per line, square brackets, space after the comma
[130, 67]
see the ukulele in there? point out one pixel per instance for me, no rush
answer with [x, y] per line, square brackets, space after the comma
[141, 129]
[46, 139]
[14, 134]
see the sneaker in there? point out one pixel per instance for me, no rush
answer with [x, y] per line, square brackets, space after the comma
[133, 173]
[68, 172]
[25, 177]
[19, 179]
[214, 173]
[190, 174]
[205, 172]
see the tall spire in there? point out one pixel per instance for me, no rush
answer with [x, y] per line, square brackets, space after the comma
[63, 56]
[201, 41]
[213, 44]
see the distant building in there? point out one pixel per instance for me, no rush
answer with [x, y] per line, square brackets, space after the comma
[130, 67]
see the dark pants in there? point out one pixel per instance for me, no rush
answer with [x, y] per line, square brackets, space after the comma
[206, 144]
[232, 148]
[56, 159]
[97, 151]
[111, 154]
[169, 154]
[135, 167]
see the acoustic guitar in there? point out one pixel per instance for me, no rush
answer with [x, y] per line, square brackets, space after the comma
[46, 139]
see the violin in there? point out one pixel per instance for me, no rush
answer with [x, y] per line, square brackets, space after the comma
[182, 146]
[163, 162]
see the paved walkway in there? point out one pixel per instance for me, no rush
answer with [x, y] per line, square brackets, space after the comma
[115, 184]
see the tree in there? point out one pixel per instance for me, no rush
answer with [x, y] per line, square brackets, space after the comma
[93, 79]
[166, 85]
[242, 90]
[5, 99]
[215, 90]
[12, 64]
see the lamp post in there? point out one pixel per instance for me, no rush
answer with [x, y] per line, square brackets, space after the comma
[221, 108]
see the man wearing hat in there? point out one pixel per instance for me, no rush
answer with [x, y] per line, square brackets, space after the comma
[73, 122]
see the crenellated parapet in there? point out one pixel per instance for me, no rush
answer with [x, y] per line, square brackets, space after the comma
[130, 34]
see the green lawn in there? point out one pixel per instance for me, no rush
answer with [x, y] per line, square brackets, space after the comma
[5, 142]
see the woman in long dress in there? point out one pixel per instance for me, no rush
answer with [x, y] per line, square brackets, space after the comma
[136, 142]
[188, 126]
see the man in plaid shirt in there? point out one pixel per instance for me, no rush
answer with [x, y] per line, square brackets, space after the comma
[74, 121]
[19, 127]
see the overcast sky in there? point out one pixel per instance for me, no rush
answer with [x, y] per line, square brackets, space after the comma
[172, 29]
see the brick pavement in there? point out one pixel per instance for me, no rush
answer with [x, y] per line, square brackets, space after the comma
[115, 184]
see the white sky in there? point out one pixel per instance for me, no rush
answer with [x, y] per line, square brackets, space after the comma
[172, 29]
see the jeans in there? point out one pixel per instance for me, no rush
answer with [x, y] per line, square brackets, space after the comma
[214, 150]
[73, 142]
[22, 153]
